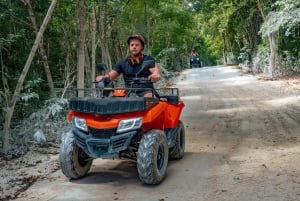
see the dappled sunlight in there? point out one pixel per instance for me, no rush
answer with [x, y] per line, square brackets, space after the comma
[236, 81]
[192, 87]
[231, 110]
[195, 97]
[263, 170]
[283, 101]
[212, 68]
[250, 127]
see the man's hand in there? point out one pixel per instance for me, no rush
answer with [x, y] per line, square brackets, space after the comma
[112, 75]
[99, 77]
[155, 74]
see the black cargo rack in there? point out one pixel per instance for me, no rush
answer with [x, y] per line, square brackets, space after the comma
[94, 102]
[111, 105]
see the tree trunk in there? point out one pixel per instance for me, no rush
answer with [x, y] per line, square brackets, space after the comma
[43, 54]
[224, 50]
[147, 28]
[117, 47]
[106, 55]
[93, 35]
[87, 65]
[272, 44]
[15, 97]
[103, 30]
[81, 10]
[273, 53]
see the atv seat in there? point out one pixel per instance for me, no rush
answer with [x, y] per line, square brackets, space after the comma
[112, 105]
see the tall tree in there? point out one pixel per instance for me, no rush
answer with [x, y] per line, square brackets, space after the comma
[287, 16]
[15, 97]
[93, 41]
[42, 51]
[82, 21]
[272, 43]
[104, 30]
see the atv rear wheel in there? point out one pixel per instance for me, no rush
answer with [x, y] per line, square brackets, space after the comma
[152, 158]
[177, 151]
[74, 162]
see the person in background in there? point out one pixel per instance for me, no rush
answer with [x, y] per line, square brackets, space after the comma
[195, 59]
[132, 64]
[194, 53]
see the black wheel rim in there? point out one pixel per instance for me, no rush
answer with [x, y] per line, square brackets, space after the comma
[160, 157]
[82, 157]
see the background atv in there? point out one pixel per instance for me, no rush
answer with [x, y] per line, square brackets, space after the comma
[195, 61]
[115, 124]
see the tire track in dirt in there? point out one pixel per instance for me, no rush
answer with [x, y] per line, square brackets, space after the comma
[242, 144]
[257, 129]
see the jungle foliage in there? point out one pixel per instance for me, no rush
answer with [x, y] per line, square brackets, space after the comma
[82, 33]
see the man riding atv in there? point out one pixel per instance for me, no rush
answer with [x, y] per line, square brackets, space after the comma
[141, 123]
[130, 65]
[195, 59]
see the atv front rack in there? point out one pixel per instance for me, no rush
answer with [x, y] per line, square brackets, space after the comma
[112, 105]
[96, 104]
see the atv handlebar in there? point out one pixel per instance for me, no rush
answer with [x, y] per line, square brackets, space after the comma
[105, 85]
[105, 82]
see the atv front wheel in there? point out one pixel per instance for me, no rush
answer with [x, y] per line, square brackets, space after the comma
[74, 162]
[152, 158]
[177, 151]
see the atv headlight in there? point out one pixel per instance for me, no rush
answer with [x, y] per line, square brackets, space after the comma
[129, 124]
[80, 123]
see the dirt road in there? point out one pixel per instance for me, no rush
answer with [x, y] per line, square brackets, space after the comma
[242, 144]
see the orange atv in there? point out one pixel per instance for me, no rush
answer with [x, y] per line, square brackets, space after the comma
[116, 124]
